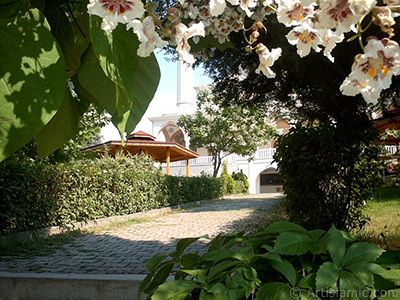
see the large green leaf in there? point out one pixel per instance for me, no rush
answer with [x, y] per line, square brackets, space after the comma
[351, 287]
[174, 290]
[292, 243]
[72, 43]
[93, 81]
[137, 78]
[286, 269]
[11, 8]
[327, 277]
[279, 227]
[391, 275]
[182, 245]
[242, 254]
[361, 253]
[145, 83]
[276, 291]
[32, 72]
[62, 127]
[336, 246]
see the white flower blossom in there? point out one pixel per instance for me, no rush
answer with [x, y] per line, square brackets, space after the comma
[293, 13]
[115, 11]
[373, 70]
[246, 5]
[147, 35]
[336, 14]
[217, 7]
[329, 40]
[361, 7]
[305, 37]
[182, 35]
[267, 59]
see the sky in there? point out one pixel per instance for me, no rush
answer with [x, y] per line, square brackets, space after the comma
[165, 96]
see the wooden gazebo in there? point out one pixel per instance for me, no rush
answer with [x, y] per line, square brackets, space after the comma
[142, 142]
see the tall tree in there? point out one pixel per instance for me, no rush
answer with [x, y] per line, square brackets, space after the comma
[226, 129]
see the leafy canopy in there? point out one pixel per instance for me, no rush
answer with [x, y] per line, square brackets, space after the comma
[54, 61]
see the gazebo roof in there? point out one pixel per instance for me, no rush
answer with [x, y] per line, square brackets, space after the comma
[142, 142]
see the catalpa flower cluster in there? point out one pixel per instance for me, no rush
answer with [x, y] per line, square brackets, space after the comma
[315, 26]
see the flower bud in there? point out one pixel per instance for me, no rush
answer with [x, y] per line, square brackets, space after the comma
[166, 32]
[248, 49]
[173, 26]
[254, 35]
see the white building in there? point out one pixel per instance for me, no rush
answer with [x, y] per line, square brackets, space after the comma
[261, 171]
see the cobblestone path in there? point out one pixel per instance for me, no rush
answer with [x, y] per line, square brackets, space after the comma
[125, 249]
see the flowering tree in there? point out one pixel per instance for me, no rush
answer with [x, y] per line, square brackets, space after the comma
[57, 56]
[225, 130]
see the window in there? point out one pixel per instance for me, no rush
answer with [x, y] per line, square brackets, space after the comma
[270, 179]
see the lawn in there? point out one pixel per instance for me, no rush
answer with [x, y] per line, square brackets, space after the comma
[383, 229]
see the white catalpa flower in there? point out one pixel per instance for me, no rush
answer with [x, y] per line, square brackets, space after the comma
[147, 35]
[267, 59]
[246, 5]
[115, 11]
[217, 7]
[361, 7]
[336, 14]
[329, 40]
[352, 86]
[182, 35]
[305, 37]
[292, 13]
[373, 70]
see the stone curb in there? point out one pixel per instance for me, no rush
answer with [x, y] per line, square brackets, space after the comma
[25, 286]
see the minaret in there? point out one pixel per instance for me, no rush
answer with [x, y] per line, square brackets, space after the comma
[186, 95]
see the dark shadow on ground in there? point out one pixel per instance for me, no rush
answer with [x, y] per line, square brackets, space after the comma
[102, 253]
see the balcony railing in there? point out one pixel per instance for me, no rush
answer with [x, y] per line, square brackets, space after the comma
[390, 150]
[231, 159]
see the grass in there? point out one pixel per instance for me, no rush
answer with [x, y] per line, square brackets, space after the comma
[383, 229]
[14, 245]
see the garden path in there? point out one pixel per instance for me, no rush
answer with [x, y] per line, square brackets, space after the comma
[125, 249]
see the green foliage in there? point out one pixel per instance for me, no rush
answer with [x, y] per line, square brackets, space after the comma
[92, 189]
[327, 174]
[46, 47]
[230, 129]
[188, 189]
[32, 72]
[283, 261]
[28, 194]
[88, 133]
[37, 195]
[228, 181]
[241, 182]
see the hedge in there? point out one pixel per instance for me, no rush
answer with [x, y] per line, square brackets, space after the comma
[37, 195]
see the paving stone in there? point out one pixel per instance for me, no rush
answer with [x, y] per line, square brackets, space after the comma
[125, 250]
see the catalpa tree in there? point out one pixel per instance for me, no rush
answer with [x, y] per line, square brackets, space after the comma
[59, 56]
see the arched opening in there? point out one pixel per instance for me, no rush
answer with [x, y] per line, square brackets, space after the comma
[173, 134]
[270, 181]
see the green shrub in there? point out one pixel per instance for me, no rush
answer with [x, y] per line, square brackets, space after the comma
[189, 189]
[328, 173]
[241, 182]
[92, 189]
[283, 261]
[28, 194]
[229, 182]
[37, 195]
